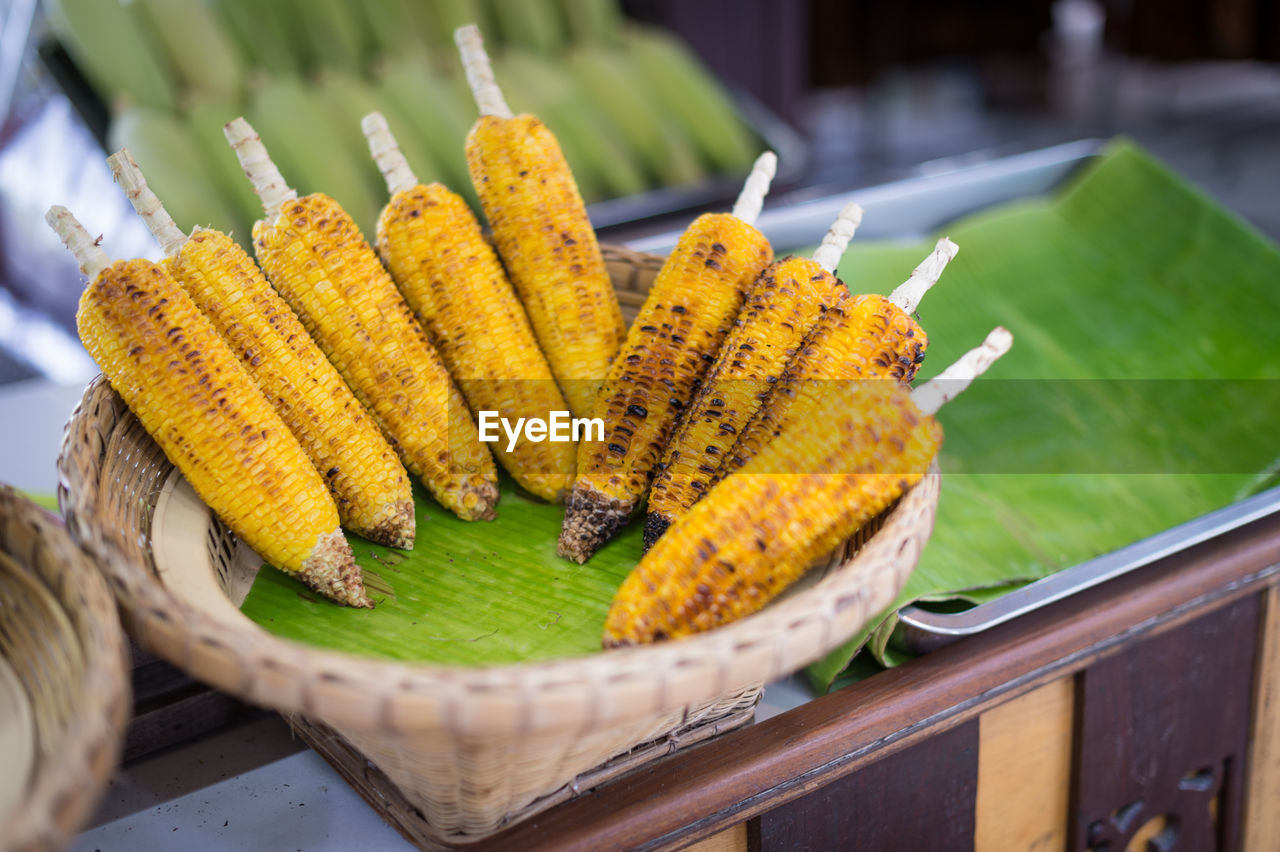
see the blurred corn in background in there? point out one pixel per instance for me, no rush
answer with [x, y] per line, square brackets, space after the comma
[850, 95]
[634, 108]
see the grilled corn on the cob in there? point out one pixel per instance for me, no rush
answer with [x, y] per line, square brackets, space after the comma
[845, 452]
[195, 399]
[368, 483]
[682, 324]
[542, 232]
[431, 243]
[781, 309]
[867, 337]
[315, 257]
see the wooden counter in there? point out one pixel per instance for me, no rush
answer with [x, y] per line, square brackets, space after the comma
[1147, 708]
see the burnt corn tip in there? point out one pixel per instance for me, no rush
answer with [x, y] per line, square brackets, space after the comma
[655, 524]
[332, 571]
[395, 528]
[590, 520]
[479, 500]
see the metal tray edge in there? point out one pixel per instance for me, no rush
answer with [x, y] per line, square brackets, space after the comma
[920, 631]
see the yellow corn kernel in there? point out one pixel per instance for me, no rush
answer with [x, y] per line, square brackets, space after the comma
[779, 312]
[430, 241]
[369, 485]
[549, 248]
[196, 400]
[315, 256]
[845, 452]
[684, 321]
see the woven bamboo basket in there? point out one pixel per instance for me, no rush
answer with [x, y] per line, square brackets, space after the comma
[65, 679]
[457, 752]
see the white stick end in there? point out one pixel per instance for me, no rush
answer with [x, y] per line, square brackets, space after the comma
[908, 294]
[86, 249]
[952, 381]
[475, 64]
[144, 201]
[838, 236]
[751, 199]
[256, 162]
[387, 154]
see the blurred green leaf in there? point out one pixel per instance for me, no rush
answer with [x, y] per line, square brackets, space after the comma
[1128, 275]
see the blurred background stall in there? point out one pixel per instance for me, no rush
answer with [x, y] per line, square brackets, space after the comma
[660, 105]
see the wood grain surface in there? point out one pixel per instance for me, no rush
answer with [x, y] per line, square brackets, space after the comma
[1262, 792]
[921, 798]
[1161, 736]
[1024, 771]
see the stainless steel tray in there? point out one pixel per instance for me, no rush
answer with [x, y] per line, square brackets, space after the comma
[920, 630]
[914, 208]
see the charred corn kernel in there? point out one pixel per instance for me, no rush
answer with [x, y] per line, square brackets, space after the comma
[866, 337]
[844, 453]
[684, 321]
[780, 310]
[315, 256]
[196, 400]
[369, 485]
[541, 229]
[431, 243]
[367, 481]
[542, 232]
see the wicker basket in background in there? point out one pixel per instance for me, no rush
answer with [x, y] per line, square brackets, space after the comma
[60, 635]
[468, 750]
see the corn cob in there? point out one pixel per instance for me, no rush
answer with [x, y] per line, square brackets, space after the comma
[542, 232]
[317, 260]
[368, 483]
[430, 241]
[194, 398]
[868, 337]
[682, 324]
[845, 452]
[780, 311]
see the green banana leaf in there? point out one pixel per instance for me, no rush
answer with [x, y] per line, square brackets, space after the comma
[468, 594]
[1145, 321]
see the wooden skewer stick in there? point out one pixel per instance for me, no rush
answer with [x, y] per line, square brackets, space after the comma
[751, 199]
[945, 386]
[924, 276]
[387, 154]
[838, 236]
[256, 162]
[87, 252]
[475, 63]
[158, 220]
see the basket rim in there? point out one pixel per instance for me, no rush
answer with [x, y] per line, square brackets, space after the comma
[580, 693]
[61, 794]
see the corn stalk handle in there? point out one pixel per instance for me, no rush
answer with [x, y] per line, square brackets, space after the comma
[838, 237]
[945, 386]
[387, 154]
[256, 162]
[475, 63]
[145, 202]
[751, 200]
[908, 294]
[87, 252]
